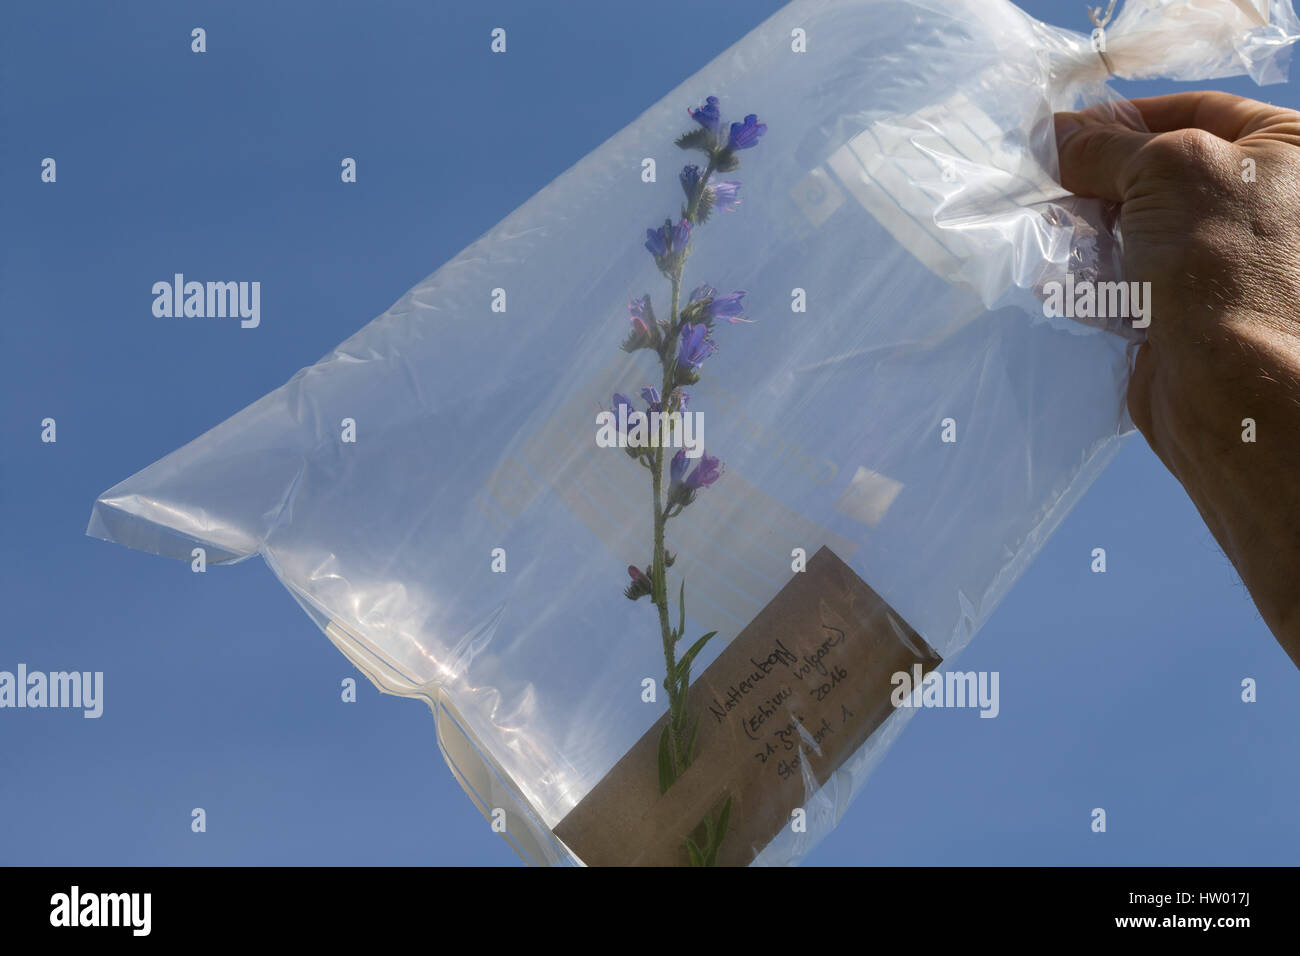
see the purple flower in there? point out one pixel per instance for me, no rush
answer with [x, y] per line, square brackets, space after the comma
[644, 333]
[708, 305]
[746, 134]
[706, 473]
[707, 115]
[724, 195]
[640, 586]
[683, 487]
[658, 241]
[668, 242]
[690, 181]
[695, 346]
[677, 470]
[651, 396]
[728, 307]
[721, 195]
[623, 409]
[640, 312]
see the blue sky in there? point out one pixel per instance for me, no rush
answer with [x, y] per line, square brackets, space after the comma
[1119, 690]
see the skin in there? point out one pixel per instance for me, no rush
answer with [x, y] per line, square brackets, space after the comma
[1222, 255]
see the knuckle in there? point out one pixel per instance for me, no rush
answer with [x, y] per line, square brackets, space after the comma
[1189, 150]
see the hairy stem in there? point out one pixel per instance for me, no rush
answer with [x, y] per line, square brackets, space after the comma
[659, 587]
[677, 722]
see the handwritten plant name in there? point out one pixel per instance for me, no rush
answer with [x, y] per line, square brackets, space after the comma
[767, 720]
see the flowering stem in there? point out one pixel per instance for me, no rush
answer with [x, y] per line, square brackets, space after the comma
[676, 695]
[659, 582]
[681, 348]
[659, 586]
[694, 206]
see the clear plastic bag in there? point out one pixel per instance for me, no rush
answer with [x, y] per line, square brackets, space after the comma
[906, 186]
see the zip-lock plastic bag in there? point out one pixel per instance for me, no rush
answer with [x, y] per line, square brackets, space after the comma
[902, 427]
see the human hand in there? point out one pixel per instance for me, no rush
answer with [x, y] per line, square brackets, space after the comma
[1210, 216]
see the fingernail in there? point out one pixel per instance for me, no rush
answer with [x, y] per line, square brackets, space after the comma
[1067, 124]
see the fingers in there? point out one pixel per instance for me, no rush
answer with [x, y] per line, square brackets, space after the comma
[1226, 116]
[1096, 156]
[1097, 146]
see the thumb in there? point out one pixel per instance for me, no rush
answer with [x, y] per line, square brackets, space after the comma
[1096, 155]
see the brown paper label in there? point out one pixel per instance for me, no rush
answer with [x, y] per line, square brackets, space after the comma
[795, 694]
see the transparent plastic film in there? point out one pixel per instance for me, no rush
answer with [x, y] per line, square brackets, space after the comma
[469, 541]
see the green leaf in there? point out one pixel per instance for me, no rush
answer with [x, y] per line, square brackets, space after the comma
[665, 762]
[684, 664]
[723, 819]
[716, 834]
[697, 857]
[699, 139]
[677, 721]
[690, 748]
[726, 161]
